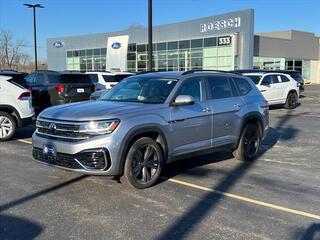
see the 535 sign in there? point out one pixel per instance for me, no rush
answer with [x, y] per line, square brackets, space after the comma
[224, 41]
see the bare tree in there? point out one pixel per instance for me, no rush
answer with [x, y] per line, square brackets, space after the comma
[11, 55]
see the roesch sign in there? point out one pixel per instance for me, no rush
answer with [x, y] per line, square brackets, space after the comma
[220, 25]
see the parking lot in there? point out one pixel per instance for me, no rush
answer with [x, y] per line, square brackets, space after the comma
[207, 197]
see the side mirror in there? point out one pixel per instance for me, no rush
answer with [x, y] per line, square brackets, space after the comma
[183, 100]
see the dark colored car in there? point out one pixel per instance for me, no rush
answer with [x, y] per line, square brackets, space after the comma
[17, 77]
[293, 73]
[50, 88]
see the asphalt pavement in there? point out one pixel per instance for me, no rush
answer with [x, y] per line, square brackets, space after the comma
[206, 197]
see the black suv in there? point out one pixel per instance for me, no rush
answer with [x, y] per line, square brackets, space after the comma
[293, 73]
[53, 88]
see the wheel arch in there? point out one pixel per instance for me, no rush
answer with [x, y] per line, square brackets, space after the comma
[153, 132]
[12, 111]
[254, 118]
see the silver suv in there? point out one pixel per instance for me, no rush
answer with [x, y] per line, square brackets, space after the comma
[151, 119]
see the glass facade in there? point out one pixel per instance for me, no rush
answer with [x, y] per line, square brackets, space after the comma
[303, 66]
[202, 53]
[87, 59]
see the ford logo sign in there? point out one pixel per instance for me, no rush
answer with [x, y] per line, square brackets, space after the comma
[58, 44]
[116, 45]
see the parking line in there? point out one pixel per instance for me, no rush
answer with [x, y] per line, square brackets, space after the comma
[233, 196]
[245, 199]
[24, 141]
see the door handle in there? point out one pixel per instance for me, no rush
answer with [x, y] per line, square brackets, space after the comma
[206, 110]
[237, 106]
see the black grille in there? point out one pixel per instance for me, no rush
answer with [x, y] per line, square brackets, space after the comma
[91, 159]
[63, 160]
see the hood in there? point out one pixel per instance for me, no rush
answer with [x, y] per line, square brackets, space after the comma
[97, 110]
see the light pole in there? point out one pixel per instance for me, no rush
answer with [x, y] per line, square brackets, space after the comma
[150, 67]
[34, 6]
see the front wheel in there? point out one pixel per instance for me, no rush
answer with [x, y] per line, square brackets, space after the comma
[291, 101]
[249, 143]
[143, 163]
[8, 126]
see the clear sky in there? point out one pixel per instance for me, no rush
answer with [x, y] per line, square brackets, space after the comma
[74, 17]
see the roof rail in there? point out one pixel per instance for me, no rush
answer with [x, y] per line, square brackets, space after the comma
[205, 70]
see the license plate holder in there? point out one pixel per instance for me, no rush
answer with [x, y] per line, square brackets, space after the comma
[80, 90]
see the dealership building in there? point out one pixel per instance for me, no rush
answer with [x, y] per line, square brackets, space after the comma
[222, 42]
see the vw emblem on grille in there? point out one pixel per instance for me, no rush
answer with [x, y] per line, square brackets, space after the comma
[53, 127]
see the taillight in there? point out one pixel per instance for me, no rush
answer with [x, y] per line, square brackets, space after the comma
[265, 104]
[24, 96]
[59, 88]
[112, 85]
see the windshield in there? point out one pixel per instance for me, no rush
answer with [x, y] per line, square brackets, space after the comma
[254, 78]
[114, 78]
[141, 90]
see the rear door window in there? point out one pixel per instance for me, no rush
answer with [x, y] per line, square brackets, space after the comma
[219, 87]
[283, 78]
[39, 80]
[243, 86]
[31, 79]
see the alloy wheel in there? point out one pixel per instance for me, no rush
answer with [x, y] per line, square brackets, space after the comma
[251, 143]
[6, 127]
[145, 164]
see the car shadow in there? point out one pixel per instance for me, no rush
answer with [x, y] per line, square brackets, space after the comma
[18, 228]
[312, 233]
[190, 219]
[24, 132]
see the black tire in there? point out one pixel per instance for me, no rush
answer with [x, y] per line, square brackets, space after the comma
[6, 134]
[142, 170]
[291, 101]
[249, 143]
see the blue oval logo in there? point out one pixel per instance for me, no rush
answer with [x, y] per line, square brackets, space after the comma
[58, 44]
[116, 45]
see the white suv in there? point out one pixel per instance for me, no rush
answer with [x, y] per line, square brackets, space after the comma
[15, 104]
[107, 80]
[277, 88]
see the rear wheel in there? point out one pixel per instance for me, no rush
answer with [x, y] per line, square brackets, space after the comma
[249, 143]
[8, 126]
[143, 163]
[291, 101]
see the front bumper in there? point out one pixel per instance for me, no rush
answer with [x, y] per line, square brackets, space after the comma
[70, 155]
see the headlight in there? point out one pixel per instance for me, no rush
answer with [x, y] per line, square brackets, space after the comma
[99, 127]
